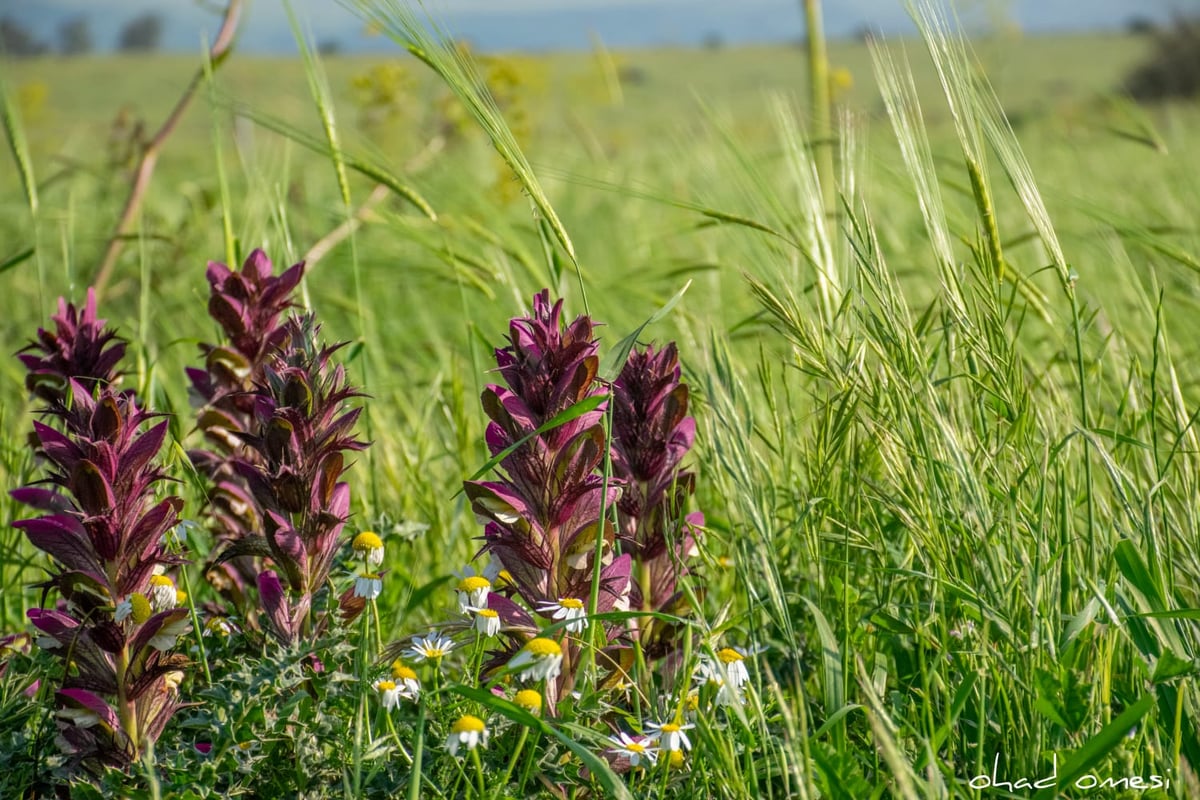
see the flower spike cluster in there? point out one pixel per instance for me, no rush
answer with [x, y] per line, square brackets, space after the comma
[249, 306]
[292, 464]
[544, 518]
[104, 530]
[651, 435]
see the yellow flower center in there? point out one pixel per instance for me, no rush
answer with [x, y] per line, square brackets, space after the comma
[140, 607]
[386, 686]
[528, 698]
[487, 612]
[367, 540]
[670, 727]
[675, 759]
[693, 702]
[571, 603]
[371, 576]
[402, 673]
[433, 652]
[180, 597]
[161, 580]
[543, 648]
[729, 656]
[635, 747]
[473, 583]
[468, 724]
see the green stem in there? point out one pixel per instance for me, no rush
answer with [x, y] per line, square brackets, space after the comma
[478, 771]
[512, 761]
[414, 782]
[821, 132]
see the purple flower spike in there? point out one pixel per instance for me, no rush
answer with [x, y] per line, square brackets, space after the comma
[543, 518]
[651, 435]
[103, 527]
[80, 348]
[249, 306]
[291, 463]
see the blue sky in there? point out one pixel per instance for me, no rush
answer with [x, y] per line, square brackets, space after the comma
[556, 24]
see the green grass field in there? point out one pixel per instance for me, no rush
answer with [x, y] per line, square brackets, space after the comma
[945, 443]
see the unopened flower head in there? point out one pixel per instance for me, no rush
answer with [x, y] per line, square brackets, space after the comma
[636, 750]
[567, 608]
[431, 647]
[163, 593]
[529, 700]
[472, 593]
[467, 731]
[368, 585]
[670, 736]
[487, 621]
[370, 547]
[136, 606]
[539, 659]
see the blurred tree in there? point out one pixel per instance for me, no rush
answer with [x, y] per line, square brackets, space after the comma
[1172, 67]
[1140, 26]
[141, 34]
[75, 37]
[18, 41]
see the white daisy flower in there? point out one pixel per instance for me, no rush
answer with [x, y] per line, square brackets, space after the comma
[670, 736]
[370, 547]
[636, 750]
[487, 621]
[163, 594]
[368, 585]
[539, 659]
[389, 693]
[468, 731]
[729, 666]
[431, 647]
[406, 680]
[567, 608]
[472, 592]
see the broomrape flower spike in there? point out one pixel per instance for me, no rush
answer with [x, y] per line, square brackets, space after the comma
[539, 659]
[368, 545]
[467, 731]
[670, 736]
[636, 750]
[432, 647]
[567, 608]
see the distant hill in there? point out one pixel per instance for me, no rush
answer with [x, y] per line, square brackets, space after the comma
[570, 23]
